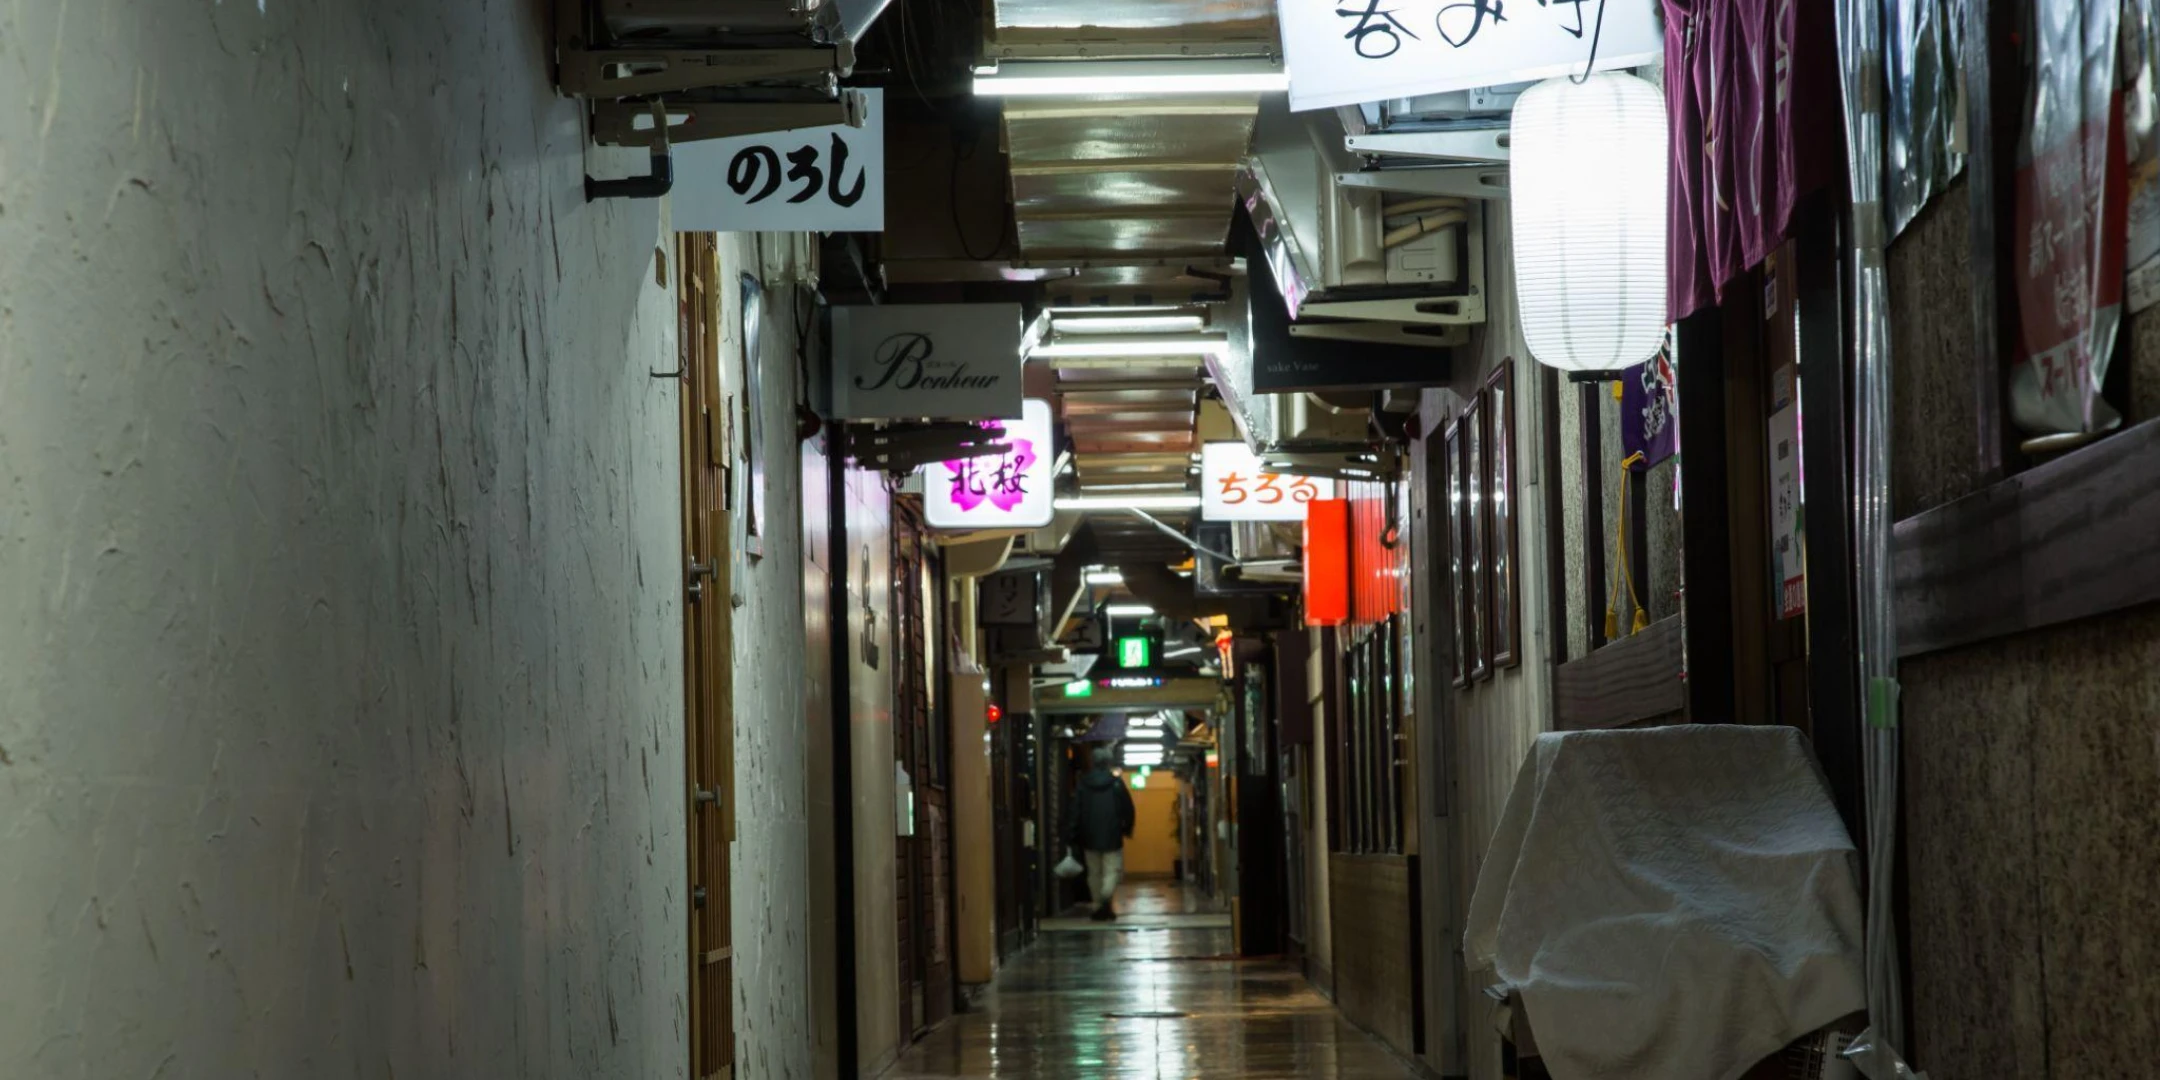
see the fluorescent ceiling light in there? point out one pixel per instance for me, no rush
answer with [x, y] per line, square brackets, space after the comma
[1131, 77]
[1121, 503]
[1128, 609]
[1105, 577]
[1129, 324]
[1115, 345]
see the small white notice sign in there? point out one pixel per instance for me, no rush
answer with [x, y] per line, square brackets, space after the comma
[822, 179]
[1347, 52]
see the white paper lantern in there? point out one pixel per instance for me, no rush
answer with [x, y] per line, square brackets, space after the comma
[1587, 210]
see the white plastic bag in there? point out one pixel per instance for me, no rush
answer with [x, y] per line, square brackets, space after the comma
[1070, 867]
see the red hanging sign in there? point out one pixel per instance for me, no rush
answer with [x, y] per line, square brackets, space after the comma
[1327, 562]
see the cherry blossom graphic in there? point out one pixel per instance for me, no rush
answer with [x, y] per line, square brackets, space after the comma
[1002, 481]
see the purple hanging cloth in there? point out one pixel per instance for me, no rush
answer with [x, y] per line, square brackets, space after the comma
[1649, 413]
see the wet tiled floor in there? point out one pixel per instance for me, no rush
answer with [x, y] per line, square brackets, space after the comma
[1160, 1000]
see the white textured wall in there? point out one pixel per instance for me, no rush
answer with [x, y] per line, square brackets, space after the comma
[772, 768]
[340, 688]
[1497, 720]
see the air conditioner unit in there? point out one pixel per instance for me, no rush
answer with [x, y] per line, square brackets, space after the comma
[1307, 420]
[1348, 252]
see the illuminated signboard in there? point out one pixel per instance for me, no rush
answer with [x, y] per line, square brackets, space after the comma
[1235, 486]
[1082, 688]
[1005, 491]
[1133, 652]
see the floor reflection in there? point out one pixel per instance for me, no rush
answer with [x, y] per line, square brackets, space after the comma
[1148, 1001]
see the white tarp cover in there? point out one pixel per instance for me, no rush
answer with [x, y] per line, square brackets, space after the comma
[1670, 903]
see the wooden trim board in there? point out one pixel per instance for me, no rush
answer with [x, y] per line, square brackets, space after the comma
[1633, 679]
[2076, 537]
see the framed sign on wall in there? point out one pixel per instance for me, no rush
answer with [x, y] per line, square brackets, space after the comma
[1458, 544]
[1477, 571]
[1499, 410]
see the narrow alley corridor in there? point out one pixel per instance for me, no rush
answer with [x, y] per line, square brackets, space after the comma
[1079, 540]
[1157, 996]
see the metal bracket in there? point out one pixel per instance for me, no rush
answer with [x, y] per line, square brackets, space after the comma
[615, 122]
[614, 73]
[1460, 181]
[1480, 144]
[697, 573]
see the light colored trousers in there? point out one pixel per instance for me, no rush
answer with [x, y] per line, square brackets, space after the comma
[1104, 870]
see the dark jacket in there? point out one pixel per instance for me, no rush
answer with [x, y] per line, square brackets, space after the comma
[1100, 816]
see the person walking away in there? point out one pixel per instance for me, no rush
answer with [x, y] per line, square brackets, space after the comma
[1099, 820]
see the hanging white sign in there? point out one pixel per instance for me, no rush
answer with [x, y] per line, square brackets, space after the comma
[1006, 491]
[940, 361]
[821, 179]
[1348, 52]
[1235, 486]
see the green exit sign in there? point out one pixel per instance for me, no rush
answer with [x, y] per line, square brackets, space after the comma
[1133, 652]
[1081, 688]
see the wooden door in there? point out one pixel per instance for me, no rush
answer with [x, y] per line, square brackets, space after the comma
[707, 654]
[923, 867]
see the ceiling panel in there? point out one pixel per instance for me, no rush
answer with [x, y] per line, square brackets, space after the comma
[1173, 236]
[1199, 130]
[1134, 14]
[1210, 186]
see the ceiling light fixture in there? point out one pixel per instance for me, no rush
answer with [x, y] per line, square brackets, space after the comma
[1128, 610]
[1119, 504]
[1113, 345]
[1105, 577]
[1131, 77]
[1129, 324]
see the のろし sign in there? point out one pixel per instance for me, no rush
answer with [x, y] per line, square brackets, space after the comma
[1235, 486]
[821, 179]
[1011, 490]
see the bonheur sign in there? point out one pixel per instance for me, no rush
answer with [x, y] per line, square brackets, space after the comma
[941, 361]
[1346, 52]
[1004, 491]
[822, 179]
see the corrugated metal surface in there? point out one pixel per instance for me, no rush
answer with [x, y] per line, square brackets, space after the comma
[1207, 130]
[1145, 180]
[1195, 188]
[1140, 234]
[1194, 16]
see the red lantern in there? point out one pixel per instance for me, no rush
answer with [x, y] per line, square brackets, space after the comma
[1327, 562]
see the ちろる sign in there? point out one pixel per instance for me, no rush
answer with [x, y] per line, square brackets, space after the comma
[1235, 486]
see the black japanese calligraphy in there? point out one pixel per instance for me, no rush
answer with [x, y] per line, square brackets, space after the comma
[756, 168]
[1577, 29]
[751, 164]
[1475, 12]
[1377, 34]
